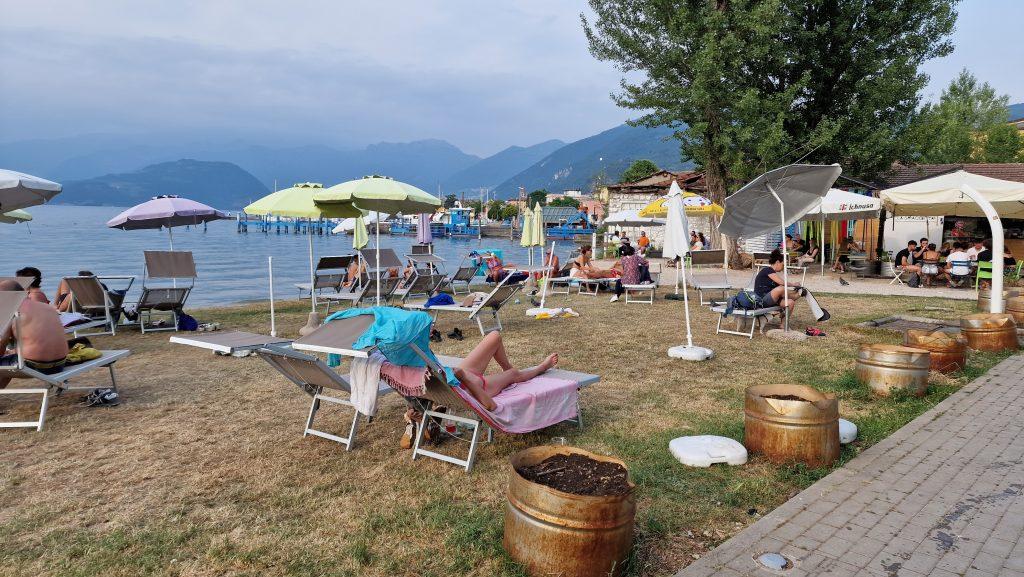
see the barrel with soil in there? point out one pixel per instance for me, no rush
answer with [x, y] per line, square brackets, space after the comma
[948, 352]
[888, 368]
[985, 297]
[569, 512]
[1015, 308]
[990, 332]
[791, 423]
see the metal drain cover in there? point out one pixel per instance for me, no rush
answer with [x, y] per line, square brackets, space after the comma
[774, 561]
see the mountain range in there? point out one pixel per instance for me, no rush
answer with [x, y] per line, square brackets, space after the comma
[229, 171]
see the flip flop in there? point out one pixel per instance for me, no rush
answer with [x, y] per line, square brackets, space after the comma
[815, 332]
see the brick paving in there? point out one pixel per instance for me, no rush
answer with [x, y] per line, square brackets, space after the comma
[942, 496]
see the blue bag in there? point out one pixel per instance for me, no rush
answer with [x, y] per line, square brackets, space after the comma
[187, 323]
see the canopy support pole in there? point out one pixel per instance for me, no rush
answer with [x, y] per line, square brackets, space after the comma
[785, 254]
[270, 272]
[996, 302]
[377, 299]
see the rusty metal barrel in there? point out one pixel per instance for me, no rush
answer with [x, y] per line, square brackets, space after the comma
[788, 423]
[886, 368]
[948, 352]
[990, 332]
[1015, 308]
[556, 533]
[985, 297]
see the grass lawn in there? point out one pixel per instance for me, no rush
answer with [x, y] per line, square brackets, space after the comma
[203, 470]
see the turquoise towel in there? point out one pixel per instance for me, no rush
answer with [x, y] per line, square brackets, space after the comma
[392, 331]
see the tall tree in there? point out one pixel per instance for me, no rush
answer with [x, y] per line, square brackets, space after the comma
[639, 170]
[750, 84]
[536, 196]
[1002, 143]
[957, 128]
[450, 200]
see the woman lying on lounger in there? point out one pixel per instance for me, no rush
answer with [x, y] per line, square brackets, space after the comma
[470, 371]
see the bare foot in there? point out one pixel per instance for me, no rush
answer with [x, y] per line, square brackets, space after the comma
[549, 362]
[467, 377]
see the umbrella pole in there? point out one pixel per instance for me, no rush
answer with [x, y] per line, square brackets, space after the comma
[785, 256]
[377, 301]
[821, 241]
[547, 274]
[686, 300]
[312, 277]
[270, 273]
[170, 239]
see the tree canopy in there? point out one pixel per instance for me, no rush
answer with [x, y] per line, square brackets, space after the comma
[639, 170]
[565, 201]
[536, 196]
[751, 84]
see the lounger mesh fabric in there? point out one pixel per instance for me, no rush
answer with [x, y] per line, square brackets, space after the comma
[89, 297]
[9, 303]
[169, 264]
[388, 258]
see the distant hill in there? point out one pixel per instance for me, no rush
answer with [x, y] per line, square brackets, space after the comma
[607, 155]
[1016, 111]
[495, 169]
[219, 184]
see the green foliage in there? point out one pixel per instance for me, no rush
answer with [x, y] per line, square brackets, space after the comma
[565, 201]
[639, 170]
[450, 200]
[509, 211]
[477, 207]
[750, 84]
[495, 209]
[536, 196]
[957, 127]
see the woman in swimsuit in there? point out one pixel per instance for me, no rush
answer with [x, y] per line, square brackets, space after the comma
[470, 371]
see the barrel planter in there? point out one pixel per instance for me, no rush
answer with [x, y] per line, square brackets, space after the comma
[791, 423]
[985, 297]
[887, 368]
[1015, 308]
[990, 332]
[556, 533]
[948, 352]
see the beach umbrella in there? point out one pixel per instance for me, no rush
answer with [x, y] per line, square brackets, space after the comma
[676, 247]
[537, 236]
[166, 211]
[526, 235]
[379, 193]
[775, 200]
[20, 190]
[360, 238]
[297, 202]
[15, 216]
[423, 232]
[693, 204]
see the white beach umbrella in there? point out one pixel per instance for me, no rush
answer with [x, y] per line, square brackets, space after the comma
[20, 190]
[676, 246]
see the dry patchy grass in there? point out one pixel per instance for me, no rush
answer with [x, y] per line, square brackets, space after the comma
[203, 469]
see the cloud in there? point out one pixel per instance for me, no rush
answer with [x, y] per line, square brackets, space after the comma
[479, 75]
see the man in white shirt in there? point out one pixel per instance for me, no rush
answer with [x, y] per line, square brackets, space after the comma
[972, 253]
[958, 256]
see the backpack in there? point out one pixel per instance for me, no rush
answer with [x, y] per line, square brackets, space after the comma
[914, 281]
[744, 300]
[186, 322]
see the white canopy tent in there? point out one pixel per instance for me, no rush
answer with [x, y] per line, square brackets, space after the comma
[962, 193]
[842, 205]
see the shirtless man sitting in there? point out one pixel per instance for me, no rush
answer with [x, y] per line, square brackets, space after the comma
[39, 335]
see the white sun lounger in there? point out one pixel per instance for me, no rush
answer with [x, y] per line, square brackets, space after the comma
[494, 301]
[234, 343]
[758, 318]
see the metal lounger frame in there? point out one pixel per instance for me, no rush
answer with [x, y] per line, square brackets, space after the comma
[495, 300]
[648, 289]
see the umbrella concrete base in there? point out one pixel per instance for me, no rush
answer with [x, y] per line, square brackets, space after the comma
[690, 353]
[784, 335]
[311, 324]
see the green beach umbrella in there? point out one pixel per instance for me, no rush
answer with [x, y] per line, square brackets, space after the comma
[360, 238]
[382, 194]
[15, 216]
[297, 202]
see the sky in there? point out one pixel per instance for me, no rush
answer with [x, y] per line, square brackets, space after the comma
[481, 75]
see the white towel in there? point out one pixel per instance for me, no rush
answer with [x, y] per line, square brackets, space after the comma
[364, 377]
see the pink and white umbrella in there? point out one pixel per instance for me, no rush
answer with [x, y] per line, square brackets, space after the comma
[166, 211]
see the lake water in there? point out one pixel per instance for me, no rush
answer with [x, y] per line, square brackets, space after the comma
[232, 267]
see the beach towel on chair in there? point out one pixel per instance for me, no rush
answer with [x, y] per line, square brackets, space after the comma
[529, 406]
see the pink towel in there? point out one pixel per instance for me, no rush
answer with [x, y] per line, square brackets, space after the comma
[529, 406]
[408, 381]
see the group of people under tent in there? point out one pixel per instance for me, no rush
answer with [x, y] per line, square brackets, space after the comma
[953, 262]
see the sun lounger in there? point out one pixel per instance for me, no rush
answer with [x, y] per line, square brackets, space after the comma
[165, 265]
[644, 292]
[422, 285]
[90, 298]
[711, 284]
[428, 263]
[24, 281]
[493, 302]
[591, 286]
[421, 249]
[465, 275]
[329, 274]
[561, 279]
[234, 343]
[58, 382]
[758, 318]
[357, 295]
[439, 392]
[388, 259]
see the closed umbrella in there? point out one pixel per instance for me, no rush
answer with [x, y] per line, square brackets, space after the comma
[676, 247]
[166, 211]
[15, 216]
[379, 193]
[775, 200]
[297, 202]
[423, 233]
[537, 237]
[20, 190]
[526, 237]
[360, 238]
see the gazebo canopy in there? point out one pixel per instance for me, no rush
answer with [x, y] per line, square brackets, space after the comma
[842, 205]
[944, 195]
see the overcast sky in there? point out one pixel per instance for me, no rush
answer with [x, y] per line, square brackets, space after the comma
[482, 75]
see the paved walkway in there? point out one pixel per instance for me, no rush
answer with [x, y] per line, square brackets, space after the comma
[943, 496]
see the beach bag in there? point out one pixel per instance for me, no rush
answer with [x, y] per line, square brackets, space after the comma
[186, 322]
[744, 300]
[439, 299]
[914, 281]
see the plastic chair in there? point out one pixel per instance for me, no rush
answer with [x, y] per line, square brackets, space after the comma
[984, 272]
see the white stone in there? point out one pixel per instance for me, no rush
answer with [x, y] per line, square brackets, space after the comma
[703, 450]
[847, 432]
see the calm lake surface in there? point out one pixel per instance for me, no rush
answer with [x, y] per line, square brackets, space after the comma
[232, 267]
